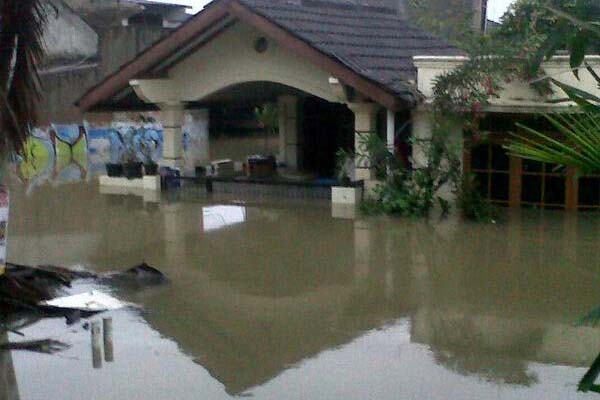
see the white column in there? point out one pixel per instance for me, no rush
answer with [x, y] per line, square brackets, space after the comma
[196, 125]
[422, 130]
[289, 138]
[391, 134]
[365, 123]
[172, 120]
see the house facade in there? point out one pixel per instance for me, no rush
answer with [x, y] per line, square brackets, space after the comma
[511, 181]
[336, 69]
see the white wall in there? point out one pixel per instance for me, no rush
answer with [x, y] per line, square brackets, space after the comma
[516, 96]
[231, 59]
[67, 36]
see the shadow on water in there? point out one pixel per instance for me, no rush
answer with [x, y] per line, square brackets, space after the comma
[264, 293]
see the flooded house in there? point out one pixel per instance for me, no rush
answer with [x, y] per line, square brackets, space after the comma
[336, 70]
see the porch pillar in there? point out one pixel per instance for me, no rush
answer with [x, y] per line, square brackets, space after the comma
[365, 123]
[197, 128]
[172, 120]
[391, 135]
[290, 147]
[422, 131]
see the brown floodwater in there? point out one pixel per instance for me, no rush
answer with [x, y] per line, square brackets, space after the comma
[279, 299]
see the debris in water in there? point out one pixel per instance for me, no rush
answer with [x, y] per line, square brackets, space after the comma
[47, 346]
[136, 278]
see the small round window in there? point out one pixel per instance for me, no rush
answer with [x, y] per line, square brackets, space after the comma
[261, 45]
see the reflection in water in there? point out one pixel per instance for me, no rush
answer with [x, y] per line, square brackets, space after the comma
[218, 217]
[295, 304]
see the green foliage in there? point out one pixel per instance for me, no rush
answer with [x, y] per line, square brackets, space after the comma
[472, 204]
[588, 382]
[531, 31]
[579, 146]
[452, 19]
[413, 193]
[21, 31]
[590, 319]
[373, 152]
[343, 158]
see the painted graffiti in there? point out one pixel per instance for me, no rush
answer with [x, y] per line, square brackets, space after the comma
[62, 154]
[58, 154]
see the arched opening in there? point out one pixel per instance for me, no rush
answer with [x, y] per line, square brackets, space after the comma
[309, 130]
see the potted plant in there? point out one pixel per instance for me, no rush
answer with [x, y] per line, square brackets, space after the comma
[346, 192]
[150, 166]
[114, 170]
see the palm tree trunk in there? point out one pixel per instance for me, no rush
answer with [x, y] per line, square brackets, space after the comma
[9, 389]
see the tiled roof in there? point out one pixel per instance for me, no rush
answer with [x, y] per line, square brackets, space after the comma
[373, 41]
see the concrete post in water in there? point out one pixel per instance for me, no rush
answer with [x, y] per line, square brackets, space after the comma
[96, 345]
[109, 355]
[172, 120]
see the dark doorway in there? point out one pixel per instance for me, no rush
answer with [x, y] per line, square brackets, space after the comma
[326, 128]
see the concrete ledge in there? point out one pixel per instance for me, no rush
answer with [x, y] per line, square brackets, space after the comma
[346, 195]
[145, 183]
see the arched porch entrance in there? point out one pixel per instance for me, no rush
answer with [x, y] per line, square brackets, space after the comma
[307, 134]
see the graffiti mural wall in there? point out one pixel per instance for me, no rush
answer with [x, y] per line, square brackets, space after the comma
[61, 154]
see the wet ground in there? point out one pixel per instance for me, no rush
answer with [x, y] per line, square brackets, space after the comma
[280, 300]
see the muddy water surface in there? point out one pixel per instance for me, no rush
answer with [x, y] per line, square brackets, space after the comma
[280, 300]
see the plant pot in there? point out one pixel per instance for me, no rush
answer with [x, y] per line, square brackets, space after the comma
[151, 169]
[133, 170]
[114, 170]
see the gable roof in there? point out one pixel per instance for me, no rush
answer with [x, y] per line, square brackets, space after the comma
[368, 48]
[373, 41]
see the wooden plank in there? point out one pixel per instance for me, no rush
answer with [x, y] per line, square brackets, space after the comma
[572, 190]
[516, 182]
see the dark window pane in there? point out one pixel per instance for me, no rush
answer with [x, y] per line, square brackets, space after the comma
[500, 160]
[589, 191]
[500, 185]
[482, 183]
[480, 157]
[532, 166]
[555, 190]
[532, 189]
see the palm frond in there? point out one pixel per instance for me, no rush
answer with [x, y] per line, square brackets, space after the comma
[21, 50]
[579, 146]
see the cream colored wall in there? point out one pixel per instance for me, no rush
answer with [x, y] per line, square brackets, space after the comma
[231, 59]
[516, 96]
